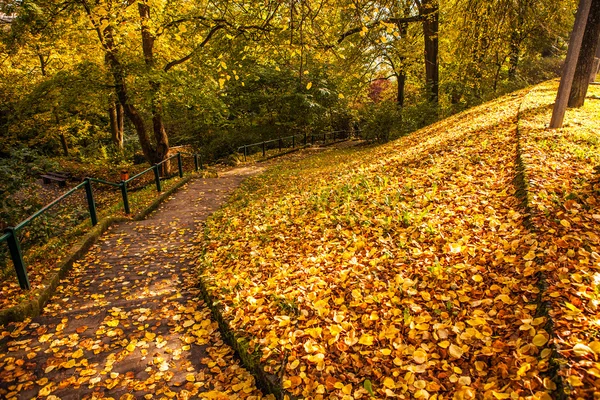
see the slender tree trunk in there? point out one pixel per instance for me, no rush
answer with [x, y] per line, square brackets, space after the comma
[515, 50]
[120, 122]
[401, 77]
[430, 33]
[63, 138]
[566, 81]
[160, 134]
[585, 61]
[116, 125]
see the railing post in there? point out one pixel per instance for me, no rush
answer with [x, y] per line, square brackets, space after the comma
[305, 138]
[280, 144]
[180, 165]
[125, 197]
[17, 258]
[201, 166]
[157, 177]
[196, 162]
[312, 139]
[263, 148]
[293, 141]
[90, 200]
[245, 153]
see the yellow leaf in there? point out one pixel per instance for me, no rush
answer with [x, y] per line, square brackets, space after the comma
[539, 340]
[386, 352]
[309, 85]
[190, 378]
[188, 323]
[477, 278]
[565, 223]
[150, 336]
[595, 346]
[131, 346]
[504, 298]
[582, 350]
[113, 323]
[501, 395]
[46, 390]
[419, 356]
[77, 354]
[389, 383]
[42, 382]
[574, 381]
[444, 344]
[366, 339]
[455, 351]
[340, 96]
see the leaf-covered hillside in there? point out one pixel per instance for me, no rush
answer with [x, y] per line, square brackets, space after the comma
[412, 269]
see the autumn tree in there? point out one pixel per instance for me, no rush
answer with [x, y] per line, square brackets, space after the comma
[585, 61]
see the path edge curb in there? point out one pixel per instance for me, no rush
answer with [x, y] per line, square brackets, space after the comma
[38, 298]
[268, 383]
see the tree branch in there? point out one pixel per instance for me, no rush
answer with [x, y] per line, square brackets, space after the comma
[184, 59]
[397, 21]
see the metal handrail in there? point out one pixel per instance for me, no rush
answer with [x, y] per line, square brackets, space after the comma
[4, 237]
[11, 233]
[105, 182]
[280, 140]
[28, 220]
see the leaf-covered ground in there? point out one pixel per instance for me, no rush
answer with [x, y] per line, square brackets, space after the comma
[412, 270]
[563, 174]
[129, 322]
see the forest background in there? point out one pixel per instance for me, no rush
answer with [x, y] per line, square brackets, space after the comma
[102, 83]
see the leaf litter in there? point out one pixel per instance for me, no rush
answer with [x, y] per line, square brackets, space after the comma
[408, 270]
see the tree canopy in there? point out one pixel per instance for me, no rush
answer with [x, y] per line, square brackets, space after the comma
[87, 78]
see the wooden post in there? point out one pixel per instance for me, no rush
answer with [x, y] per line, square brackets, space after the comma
[566, 81]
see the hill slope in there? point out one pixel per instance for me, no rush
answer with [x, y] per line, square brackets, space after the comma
[411, 269]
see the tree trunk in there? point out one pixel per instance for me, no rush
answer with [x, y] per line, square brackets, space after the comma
[566, 81]
[116, 125]
[430, 33]
[585, 61]
[63, 138]
[515, 50]
[401, 77]
[160, 134]
[120, 122]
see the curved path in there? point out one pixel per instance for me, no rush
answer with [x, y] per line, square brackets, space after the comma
[128, 321]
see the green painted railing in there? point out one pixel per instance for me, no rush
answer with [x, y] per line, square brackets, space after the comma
[314, 137]
[11, 237]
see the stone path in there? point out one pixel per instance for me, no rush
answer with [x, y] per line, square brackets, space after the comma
[128, 322]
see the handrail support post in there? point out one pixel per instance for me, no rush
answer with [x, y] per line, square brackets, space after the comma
[17, 258]
[155, 168]
[123, 186]
[196, 162]
[180, 165]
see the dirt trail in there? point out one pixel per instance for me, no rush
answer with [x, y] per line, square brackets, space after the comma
[128, 321]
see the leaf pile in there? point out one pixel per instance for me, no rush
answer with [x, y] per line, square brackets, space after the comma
[401, 271]
[562, 172]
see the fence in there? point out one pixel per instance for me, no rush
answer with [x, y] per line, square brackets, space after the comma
[292, 142]
[11, 237]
